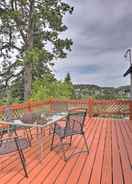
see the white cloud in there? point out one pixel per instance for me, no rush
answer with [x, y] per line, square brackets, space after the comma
[101, 31]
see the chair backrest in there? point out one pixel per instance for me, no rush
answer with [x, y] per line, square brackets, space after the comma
[8, 145]
[59, 107]
[8, 114]
[27, 117]
[75, 121]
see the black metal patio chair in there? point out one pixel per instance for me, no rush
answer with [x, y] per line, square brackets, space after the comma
[4, 129]
[74, 125]
[33, 117]
[9, 116]
[13, 144]
[59, 107]
[28, 118]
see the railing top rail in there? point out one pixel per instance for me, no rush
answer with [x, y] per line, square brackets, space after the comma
[118, 101]
[113, 106]
[76, 101]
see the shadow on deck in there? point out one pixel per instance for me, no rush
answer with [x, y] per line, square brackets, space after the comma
[108, 162]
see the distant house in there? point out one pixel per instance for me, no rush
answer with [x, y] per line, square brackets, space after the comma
[127, 92]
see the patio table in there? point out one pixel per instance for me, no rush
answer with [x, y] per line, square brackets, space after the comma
[44, 120]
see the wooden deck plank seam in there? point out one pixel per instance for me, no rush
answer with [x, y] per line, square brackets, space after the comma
[100, 145]
[33, 142]
[95, 152]
[111, 154]
[98, 131]
[89, 134]
[79, 142]
[12, 161]
[124, 146]
[106, 173]
[57, 161]
[129, 138]
[106, 134]
[129, 125]
[117, 173]
[52, 157]
[11, 176]
[36, 167]
[29, 153]
[125, 141]
[128, 128]
[14, 155]
[90, 160]
[93, 127]
[38, 163]
[119, 150]
[96, 128]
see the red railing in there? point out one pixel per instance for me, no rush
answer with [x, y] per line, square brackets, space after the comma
[105, 108]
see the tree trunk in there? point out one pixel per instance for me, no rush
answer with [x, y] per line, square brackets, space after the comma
[29, 46]
[27, 80]
[28, 69]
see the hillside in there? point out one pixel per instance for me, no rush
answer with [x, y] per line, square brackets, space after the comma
[86, 90]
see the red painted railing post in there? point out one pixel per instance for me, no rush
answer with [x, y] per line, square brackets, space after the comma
[29, 105]
[51, 101]
[130, 110]
[90, 106]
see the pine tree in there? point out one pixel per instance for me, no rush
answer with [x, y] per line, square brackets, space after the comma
[68, 78]
[27, 29]
[68, 82]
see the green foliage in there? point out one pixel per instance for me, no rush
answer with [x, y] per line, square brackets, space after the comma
[47, 88]
[9, 100]
[27, 30]
[16, 89]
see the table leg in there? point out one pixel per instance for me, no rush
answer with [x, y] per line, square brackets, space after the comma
[40, 143]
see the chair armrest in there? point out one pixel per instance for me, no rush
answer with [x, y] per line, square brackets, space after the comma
[61, 123]
[4, 125]
[11, 137]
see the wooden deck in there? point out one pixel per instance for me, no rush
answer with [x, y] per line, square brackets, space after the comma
[108, 162]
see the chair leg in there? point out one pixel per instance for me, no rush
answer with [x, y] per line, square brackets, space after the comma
[1, 136]
[62, 148]
[70, 140]
[49, 130]
[19, 146]
[30, 133]
[44, 132]
[85, 142]
[37, 131]
[52, 141]
[41, 131]
[29, 141]
[22, 158]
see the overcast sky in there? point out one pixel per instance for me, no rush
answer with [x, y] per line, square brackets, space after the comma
[101, 31]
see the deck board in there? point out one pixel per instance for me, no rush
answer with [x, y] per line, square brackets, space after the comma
[107, 168]
[81, 160]
[128, 140]
[127, 173]
[116, 161]
[97, 167]
[108, 162]
[87, 170]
